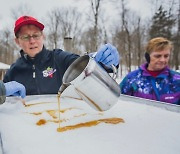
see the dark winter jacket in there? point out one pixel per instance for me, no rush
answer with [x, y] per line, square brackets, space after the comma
[165, 87]
[2, 92]
[43, 74]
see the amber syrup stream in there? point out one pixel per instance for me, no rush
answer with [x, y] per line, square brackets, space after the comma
[58, 97]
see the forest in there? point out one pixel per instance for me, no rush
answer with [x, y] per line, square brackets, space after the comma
[84, 32]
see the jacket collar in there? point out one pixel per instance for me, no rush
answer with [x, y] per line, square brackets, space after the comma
[143, 67]
[39, 57]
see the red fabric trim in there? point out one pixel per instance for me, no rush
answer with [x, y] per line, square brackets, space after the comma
[154, 73]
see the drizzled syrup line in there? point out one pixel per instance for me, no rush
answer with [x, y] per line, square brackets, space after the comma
[28, 105]
[91, 123]
[44, 121]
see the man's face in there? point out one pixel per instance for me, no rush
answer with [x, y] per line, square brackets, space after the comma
[30, 39]
[159, 60]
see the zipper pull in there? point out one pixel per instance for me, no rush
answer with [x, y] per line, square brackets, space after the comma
[34, 74]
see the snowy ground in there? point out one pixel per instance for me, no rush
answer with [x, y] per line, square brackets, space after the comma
[4, 66]
[145, 130]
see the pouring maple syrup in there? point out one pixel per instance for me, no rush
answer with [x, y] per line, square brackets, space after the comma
[86, 124]
[58, 97]
[113, 120]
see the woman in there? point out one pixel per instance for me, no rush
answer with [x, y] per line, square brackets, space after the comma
[154, 80]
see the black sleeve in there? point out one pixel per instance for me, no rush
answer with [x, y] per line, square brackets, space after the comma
[6, 77]
[64, 58]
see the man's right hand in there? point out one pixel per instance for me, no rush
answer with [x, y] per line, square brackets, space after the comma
[108, 55]
[15, 89]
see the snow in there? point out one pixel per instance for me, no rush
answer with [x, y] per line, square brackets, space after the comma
[4, 66]
[146, 129]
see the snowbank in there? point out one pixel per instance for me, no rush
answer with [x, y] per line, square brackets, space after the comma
[4, 66]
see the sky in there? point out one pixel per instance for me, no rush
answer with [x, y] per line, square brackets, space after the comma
[142, 129]
[41, 7]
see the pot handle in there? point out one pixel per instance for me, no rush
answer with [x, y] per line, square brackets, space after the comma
[115, 72]
[114, 68]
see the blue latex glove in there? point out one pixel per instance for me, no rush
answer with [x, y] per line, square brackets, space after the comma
[14, 88]
[108, 55]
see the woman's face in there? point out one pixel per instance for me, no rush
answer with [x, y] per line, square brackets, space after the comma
[30, 39]
[159, 59]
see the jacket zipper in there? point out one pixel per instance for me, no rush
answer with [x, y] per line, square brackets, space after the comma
[34, 73]
[34, 77]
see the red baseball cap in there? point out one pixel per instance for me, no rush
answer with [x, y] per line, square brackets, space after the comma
[27, 20]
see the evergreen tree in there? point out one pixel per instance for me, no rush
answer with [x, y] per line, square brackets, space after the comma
[162, 24]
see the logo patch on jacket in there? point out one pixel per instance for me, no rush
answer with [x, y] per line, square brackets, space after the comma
[49, 72]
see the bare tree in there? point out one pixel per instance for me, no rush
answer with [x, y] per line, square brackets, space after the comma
[7, 47]
[94, 17]
[138, 39]
[95, 6]
[22, 9]
[63, 23]
[124, 35]
[129, 37]
[71, 27]
[53, 25]
[86, 40]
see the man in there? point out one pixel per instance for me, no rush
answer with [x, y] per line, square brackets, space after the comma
[11, 88]
[40, 70]
[154, 80]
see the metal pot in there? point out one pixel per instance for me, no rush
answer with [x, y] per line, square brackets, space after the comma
[92, 83]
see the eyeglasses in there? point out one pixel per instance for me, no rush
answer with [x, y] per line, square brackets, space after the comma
[35, 36]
